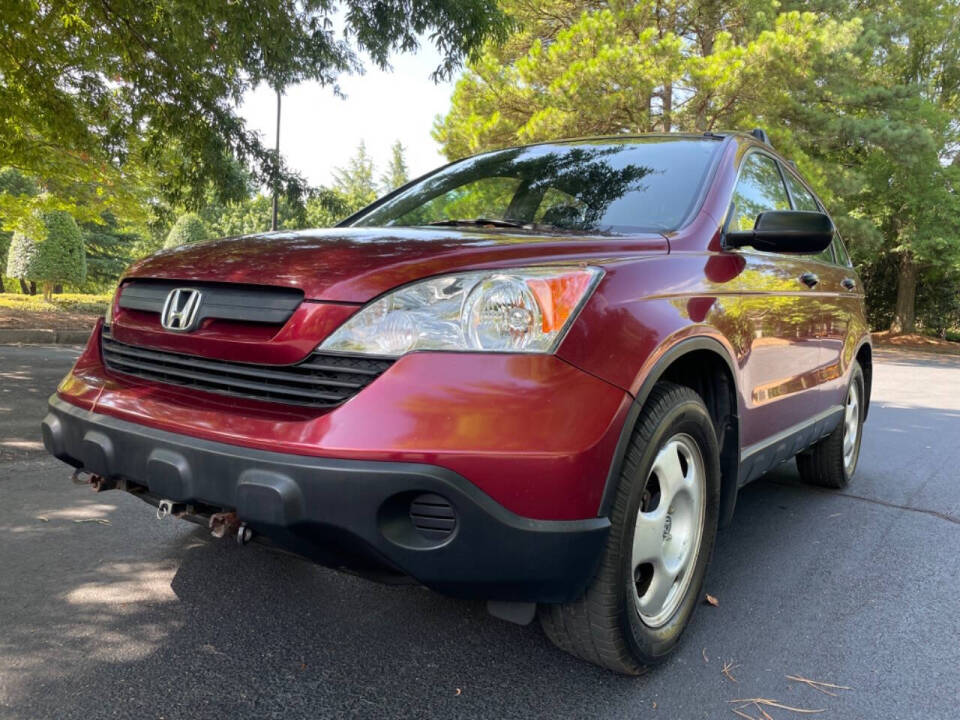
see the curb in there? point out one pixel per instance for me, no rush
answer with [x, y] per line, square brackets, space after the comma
[44, 337]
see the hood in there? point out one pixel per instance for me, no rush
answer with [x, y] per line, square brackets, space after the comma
[354, 265]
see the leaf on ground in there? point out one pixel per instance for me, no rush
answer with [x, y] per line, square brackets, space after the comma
[711, 600]
[41, 518]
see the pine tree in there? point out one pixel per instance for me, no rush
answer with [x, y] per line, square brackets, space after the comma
[396, 173]
[355, 182]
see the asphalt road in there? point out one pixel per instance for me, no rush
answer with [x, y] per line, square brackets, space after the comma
[106, 612]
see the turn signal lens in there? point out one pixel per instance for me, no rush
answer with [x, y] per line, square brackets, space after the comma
[516, 310]
[559, 297]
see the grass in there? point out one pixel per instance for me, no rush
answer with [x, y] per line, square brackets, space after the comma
[65, 302]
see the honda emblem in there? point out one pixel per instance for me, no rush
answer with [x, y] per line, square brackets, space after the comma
[180, 309]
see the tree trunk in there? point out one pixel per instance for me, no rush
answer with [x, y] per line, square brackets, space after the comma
[23, 287]
[667, 107]
[58, 289]
[905, 316]
[33, 287]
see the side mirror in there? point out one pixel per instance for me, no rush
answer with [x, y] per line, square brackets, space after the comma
[786, 231]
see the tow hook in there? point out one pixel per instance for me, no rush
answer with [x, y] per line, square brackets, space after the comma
[97, 483]
[226, 524]
[169, 507]
[223, 524]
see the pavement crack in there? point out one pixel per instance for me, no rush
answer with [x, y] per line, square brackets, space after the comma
[876, 501]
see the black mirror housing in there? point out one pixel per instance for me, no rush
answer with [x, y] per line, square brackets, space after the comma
[786, 231]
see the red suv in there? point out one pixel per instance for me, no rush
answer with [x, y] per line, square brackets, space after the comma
[537, 376]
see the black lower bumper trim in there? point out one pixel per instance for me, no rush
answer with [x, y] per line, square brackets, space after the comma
[343, 512]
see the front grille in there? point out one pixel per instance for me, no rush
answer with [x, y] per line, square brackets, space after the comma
[321, 380]
[243, 303]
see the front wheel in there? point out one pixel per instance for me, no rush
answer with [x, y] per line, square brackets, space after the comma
[663, 526]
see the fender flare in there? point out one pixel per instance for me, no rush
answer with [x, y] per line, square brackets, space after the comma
[728, 492]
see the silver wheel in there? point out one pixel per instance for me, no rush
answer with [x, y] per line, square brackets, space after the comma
[851, 428]
[669, 529]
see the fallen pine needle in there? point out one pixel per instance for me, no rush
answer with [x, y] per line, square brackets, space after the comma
[759, 702]
[727, 670]
[819, 686]
[743, 714]
[98, 521]
[704, 653]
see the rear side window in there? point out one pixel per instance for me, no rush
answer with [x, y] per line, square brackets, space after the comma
[759, 189]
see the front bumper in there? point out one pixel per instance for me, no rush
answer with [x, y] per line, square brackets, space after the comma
[342, 512]
[533, 432]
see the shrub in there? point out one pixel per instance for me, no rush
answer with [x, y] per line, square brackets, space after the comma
[20, 256]
[188, 228]
[48, 249]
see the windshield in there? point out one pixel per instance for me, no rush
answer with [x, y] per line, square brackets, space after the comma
[646, 184]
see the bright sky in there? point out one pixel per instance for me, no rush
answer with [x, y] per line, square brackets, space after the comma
[319, 131]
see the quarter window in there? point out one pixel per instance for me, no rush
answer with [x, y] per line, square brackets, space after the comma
[759, 189]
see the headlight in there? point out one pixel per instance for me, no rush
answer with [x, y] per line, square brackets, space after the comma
[516, 310]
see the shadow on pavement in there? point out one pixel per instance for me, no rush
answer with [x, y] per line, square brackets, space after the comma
[164, 622]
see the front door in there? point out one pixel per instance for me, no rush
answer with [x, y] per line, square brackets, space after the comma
[776, 312]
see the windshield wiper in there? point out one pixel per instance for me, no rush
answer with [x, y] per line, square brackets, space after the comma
[478, 222]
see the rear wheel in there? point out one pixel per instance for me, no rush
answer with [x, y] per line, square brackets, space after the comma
[832, 461]
[663, 526]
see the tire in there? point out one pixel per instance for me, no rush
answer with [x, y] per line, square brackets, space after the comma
[614, 624]
[831, 463]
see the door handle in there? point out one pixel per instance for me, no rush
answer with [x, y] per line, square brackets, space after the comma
[849, 283]
[810, 279]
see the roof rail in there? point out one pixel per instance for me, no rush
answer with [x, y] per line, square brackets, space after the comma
[761, 135]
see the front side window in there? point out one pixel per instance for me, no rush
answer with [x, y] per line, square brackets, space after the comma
[606, 186]
[803, 200]
[759, 189]
[843, 258]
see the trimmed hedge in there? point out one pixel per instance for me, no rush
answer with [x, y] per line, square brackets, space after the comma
[49, 250]
[188, 228]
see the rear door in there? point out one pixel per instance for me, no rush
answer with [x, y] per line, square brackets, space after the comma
[841, 297]
[779, 315]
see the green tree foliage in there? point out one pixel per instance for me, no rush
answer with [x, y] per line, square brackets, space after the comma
[110, 249]
[48, 249]
[188, 228]
[396, 173]
[326, 208]
[863, 97]
[354, 182]
[97, 96]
